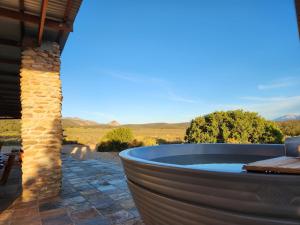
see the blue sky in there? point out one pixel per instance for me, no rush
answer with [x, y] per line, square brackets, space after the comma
[139, 61]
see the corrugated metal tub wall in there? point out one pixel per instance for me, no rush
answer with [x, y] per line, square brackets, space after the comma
[173, 194]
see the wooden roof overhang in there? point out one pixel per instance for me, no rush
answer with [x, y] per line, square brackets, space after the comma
[28, 23]
[297, 5]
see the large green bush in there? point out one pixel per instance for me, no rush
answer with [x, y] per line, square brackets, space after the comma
[235, 126]
[117, 140]
[121, 134]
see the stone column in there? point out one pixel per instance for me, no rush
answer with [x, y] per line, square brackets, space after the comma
[41, 134]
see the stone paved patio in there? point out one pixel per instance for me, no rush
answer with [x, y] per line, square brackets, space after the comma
[94, 192]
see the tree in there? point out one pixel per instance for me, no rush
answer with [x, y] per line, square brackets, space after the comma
[235, 126]
[122, 134]
[116, 140]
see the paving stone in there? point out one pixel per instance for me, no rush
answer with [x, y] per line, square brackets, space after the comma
[76, 199]
[115, 207]
[6, 217]
[103, 203]
[127, 204]
[120, 216]
[79, 206]
[106, 188]
[90, 192]
[134, 212]
[132, 222]
[95, 221]
[119, 196]
[19, 204]
[49, 205]
[94, 192]
[25, 212]
[56, 217]
[36, 220]
[89, 213]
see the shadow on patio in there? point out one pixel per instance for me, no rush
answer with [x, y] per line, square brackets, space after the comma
[93, 192]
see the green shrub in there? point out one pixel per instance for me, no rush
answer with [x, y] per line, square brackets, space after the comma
[112, 146]
[122, 135]
[235, 126]
[149, 141]
[290, 128]
[116, 140]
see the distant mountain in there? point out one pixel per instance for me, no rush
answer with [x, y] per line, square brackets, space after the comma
[159, 125]
[77, 122]
[114, 123]
[288, 117]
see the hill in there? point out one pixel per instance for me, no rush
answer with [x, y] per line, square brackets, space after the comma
[288, 117]
[114, 123]
[159, 125]
[77, 122]
[90, 132]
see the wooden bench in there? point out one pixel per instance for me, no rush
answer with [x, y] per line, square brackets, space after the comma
[283, 165]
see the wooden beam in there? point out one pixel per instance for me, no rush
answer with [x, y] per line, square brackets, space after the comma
[42, 21]
[10, 108]
[34, 19]
[10, 61]
[10, 116]
[10, 113]
[15, 86]
[9, 98]
[8, 78]
[26, 41]
[297, 6]
[9, 82]
[12, 103]
[8, 73]
[9, 42]
[22, 26]
[10, 93]
[6, 89]
[65, 19]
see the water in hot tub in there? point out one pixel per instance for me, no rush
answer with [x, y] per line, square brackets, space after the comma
[212, 162]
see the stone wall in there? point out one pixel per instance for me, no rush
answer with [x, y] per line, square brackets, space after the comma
[41, 99]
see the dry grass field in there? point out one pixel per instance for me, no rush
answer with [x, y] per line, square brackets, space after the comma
[149, 134]
[88, 132]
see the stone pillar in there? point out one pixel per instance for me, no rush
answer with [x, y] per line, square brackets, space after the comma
[41, 99]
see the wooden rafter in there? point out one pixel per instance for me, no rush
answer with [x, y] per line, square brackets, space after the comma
[10, 92]
[8, 73]
[42, 20]
[10, 82]
[297, 5]
[9, 88]
[9, 97]
[22, 26]
[34, 19]
[9, 42]
[10, 61]
[65, 18]
[5, 77]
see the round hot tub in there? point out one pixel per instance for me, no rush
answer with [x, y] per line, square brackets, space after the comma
[189, 184]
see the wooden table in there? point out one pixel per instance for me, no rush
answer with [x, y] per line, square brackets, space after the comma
[284, 165]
